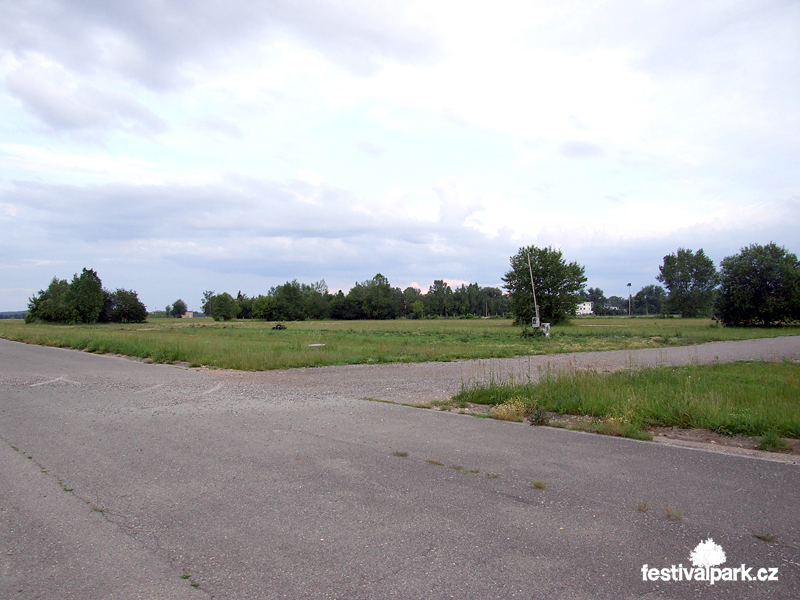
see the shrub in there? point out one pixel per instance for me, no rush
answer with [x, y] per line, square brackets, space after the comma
[513, 409]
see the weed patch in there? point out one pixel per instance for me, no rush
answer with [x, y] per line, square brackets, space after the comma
[772, 442]
[513, 409]
[746, 398]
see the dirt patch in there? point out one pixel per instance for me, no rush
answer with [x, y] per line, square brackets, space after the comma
[712, 438]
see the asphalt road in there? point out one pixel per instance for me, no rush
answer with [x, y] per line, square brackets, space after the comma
[118, 479]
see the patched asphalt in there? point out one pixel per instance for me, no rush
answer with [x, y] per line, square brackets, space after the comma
[290, 485]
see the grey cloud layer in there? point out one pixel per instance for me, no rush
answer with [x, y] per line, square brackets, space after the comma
[44, 94]
[150, 41]
[242, 209]
[251, 228]
[298, 230]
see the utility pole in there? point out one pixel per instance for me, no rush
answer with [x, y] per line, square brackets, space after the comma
[536, 323]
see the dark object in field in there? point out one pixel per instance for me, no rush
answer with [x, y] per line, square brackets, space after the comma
[280, 326]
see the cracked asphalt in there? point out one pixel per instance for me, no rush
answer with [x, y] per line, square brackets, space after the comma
[120, 479]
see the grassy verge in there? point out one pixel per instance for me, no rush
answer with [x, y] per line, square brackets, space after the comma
[757, 399]
[253, 345]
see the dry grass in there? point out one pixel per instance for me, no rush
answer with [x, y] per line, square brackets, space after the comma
[513, 409]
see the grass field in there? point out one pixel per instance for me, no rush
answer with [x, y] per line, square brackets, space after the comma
[253, 345]
[757, 399]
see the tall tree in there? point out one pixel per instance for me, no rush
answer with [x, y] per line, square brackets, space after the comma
[207, 303]
[379, 301]
[412, 303]
[245, 306]
[691, 279]
[439, 299]
[558, 285]
[316, 300]
[85, 297]
[760, 286]
[288, 301]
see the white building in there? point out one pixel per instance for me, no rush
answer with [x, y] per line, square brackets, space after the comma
[585, 308]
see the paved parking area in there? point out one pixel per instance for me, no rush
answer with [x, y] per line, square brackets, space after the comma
[120, 479]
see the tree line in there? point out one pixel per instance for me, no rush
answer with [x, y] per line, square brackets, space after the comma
[371, 299]
[758, 286]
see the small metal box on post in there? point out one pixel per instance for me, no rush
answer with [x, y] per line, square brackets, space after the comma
[536, 322]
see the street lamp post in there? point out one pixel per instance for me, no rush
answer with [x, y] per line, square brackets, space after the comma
[629, 299]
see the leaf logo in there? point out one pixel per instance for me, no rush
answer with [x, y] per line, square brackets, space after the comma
[707, 554]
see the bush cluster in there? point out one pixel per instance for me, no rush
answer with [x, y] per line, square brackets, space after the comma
[83, 300]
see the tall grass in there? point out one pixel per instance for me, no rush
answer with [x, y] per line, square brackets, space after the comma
[253, 345]
[756, 398]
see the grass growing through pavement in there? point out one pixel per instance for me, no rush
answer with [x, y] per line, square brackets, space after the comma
[254, 346]
[757, 399]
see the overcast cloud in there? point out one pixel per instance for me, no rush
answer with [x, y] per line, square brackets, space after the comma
[177, 147]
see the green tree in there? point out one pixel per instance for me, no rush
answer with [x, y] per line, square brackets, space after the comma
[496, 302]
[411, 295]
[346, 307]
[224, 307]
[85, 297]
[649, 300]
[760, 286]
[50, 304]
[691, 279]
[264, 308]
[416, 310]
[379, 301]
[245, 306]
[178, 308]
[288, 301]
[207, 304]
[316, 300]
[122, 306]
[558, 285]
[439, 299]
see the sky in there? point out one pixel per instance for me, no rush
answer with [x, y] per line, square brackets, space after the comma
[178, 147]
